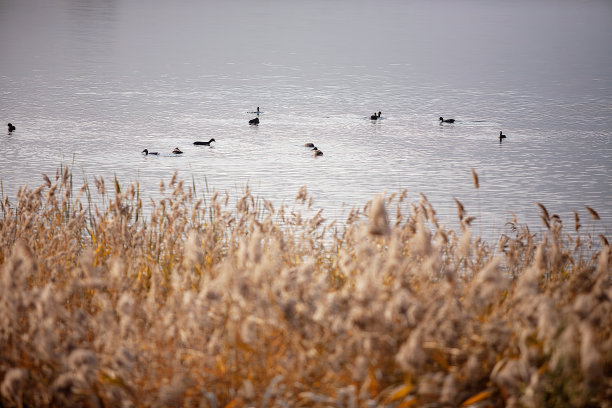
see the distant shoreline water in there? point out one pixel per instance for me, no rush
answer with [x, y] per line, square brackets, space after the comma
[92, 85]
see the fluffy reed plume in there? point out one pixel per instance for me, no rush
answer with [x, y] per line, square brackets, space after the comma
[199, 302]
[379, 221]
[12, 388]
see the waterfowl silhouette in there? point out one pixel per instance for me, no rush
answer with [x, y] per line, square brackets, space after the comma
[317, 152]
[146, 152]
[258, 110]
[375, 116]
[254, 121]
[204, 143]
[11, 127]
[309, 145]
[177, 151]
[501, 136]
[442, 120]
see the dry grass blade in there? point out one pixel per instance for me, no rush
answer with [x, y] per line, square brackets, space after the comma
[481, 396]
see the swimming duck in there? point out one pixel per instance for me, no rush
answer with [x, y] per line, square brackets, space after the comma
[317, 152]
[375, 116]
[442, 120]
[11, 127]
[254, 121]
[204, 143]
[177, 151]
[309, 145]
[146, 152]
[501, 136]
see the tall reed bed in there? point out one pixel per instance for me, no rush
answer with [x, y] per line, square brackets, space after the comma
[206, 304]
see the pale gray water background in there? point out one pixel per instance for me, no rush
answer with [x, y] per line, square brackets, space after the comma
[92, 83]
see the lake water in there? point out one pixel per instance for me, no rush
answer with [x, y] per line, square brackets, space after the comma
[92, 83]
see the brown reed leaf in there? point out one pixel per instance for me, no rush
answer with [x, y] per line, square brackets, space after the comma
[475, 179]
[460, 209]
[468, 220]
[594, 214]
[47, 181]
[302, 194]
[402, 195]
[66, 175]
[544, 212]
[576, 221]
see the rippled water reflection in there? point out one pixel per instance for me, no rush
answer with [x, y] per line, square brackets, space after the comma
[94, 83]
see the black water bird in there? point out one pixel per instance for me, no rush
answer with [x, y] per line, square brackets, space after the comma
[204, 143]
[442, 120]
[501, 136]
[375, 116]
[254, 121]
[147, 153]
[11, 127]
[177, 151]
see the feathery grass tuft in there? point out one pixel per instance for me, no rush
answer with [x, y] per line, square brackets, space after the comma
[203, 303]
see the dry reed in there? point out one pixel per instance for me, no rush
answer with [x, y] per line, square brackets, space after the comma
[205, 305]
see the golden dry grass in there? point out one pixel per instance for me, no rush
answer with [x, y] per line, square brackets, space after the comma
[205, 305]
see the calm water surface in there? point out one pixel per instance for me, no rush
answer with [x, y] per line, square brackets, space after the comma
[93, 83]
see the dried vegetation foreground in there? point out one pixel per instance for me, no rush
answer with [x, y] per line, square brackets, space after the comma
[203, 305]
